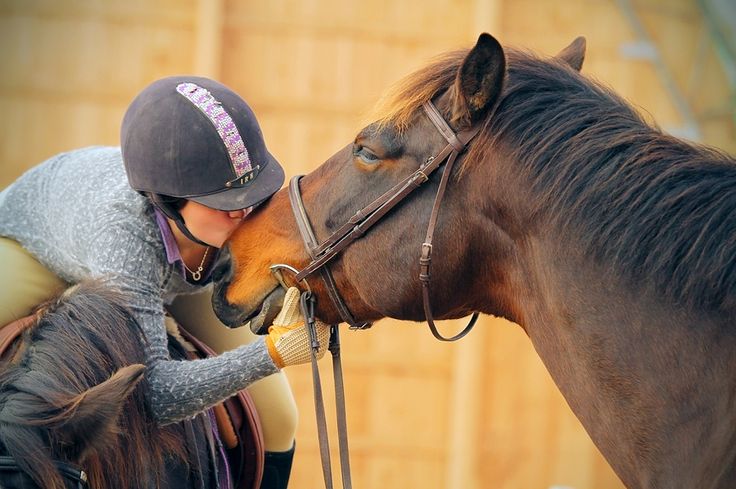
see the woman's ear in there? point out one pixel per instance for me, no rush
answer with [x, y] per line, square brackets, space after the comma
[480, 80]
[574, 54]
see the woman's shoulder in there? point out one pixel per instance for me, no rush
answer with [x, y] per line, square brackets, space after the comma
[80, 165]
[85, 190]
[88, 153]
[92, 151]
[91, 159]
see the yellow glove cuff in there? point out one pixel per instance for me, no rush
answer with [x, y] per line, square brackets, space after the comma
[288, 340]
[275, 333]
[290, 345]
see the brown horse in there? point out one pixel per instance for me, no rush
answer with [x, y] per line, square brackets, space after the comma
[72, 399]
[612, 244]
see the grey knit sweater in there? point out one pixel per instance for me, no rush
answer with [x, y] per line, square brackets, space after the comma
[78, 216]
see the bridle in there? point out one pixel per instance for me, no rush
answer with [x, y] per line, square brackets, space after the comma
[74, 478]
[353, 229]
[369, 215]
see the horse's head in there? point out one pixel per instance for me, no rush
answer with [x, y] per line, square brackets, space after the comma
[63, 390]
[378, 273]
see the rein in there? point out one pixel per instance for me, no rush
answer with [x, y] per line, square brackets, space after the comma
[353, 229]
[74, 478]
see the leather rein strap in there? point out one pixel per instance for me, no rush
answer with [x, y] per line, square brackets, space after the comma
[353, 229]
[74, 478]
[307, 306]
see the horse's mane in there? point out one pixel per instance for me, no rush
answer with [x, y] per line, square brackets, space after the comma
[79, 341]
[656, 209]
[652, 207]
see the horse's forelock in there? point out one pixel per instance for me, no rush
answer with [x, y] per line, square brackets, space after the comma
[399, 104]
[26, 412]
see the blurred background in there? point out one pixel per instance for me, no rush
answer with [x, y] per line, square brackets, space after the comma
[480, 413]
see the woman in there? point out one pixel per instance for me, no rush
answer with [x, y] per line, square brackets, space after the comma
[150, 216]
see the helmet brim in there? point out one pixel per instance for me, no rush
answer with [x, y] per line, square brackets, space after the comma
[269, 181]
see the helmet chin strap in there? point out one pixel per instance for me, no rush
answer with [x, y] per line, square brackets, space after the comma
[174, 215]
[183, 228]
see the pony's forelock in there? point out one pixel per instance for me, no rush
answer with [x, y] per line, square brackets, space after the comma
[398, 105]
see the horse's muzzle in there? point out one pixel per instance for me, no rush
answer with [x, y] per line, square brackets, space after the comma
[222, 274]
[232, 315]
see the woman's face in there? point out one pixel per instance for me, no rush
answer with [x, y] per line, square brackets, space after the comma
[211, 225]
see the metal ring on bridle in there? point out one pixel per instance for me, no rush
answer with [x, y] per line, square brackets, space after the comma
[276, 272]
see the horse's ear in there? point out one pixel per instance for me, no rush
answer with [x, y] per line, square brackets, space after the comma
[480, 79]
[574, 54]
[93, 414]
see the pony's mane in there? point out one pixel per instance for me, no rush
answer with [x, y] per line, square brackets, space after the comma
[79, 341]
[658, 210]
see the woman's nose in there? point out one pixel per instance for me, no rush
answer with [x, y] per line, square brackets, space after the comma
[240, 213]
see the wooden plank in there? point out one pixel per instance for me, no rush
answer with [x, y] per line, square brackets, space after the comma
[208, 35]
[465, 409]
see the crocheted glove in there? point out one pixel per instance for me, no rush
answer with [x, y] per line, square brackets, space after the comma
[288, 338]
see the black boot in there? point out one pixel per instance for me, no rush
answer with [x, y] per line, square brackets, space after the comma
[276, 469]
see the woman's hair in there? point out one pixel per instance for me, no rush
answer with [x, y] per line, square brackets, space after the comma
[173, 203]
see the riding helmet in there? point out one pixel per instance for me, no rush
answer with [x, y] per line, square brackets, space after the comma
[193, 138]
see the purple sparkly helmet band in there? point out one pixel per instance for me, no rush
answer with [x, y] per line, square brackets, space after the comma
[223, 123]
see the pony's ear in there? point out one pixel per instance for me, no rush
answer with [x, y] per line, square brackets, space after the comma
[574, 54]
[93, 414]
[480, 79]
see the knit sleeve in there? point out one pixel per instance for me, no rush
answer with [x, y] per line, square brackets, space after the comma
[178, 388]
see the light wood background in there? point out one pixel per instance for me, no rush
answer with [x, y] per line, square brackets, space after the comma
[479, 413]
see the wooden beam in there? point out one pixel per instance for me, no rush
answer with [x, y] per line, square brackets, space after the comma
[465, 409]
[208, 43]
[486, 18]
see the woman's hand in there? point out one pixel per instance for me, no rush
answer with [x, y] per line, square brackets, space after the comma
[288, 338]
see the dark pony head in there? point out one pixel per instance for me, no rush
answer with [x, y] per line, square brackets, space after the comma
[71, 392]
[656, 209]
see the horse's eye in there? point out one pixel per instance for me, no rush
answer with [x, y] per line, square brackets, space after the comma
[366, 155]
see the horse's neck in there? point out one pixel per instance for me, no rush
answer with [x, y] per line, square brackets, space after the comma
[653, 386]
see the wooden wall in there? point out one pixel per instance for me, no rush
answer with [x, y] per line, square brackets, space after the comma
[479, 413]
